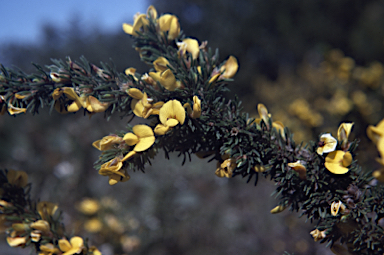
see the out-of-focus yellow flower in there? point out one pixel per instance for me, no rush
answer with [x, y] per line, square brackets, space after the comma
[376, 132]
[169, 23]
[343, 132]
[48, 249]
[171, 114]
[337, 162]
[93, 225]
[46, 209]
[41, 225]
[299, 168]
[17, 178]
[140, 22]
[161, 64]
[278, 209]
[167, 79]
[226, 168]
[142, 137]
[130, 243]
[279, 128]
[327, 144]
[88, 206]
[337, 207]
[94, 251]
[189, 45]
[16, 241]
[74, 246]
[35, 235]
[318, 235]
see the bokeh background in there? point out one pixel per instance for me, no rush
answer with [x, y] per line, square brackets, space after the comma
[314, 64]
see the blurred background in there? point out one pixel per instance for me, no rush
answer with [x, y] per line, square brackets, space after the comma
[314, 64]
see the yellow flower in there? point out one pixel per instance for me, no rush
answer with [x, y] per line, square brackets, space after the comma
[167, 79]
[48, 249]
[16, 241]
[263, 113]
[299, 168]
[376, 132]
[171, 114]
[196, 112]
[41, 225]
[226, 168]
[74, 246]
[17, 178]
[141, 105]
[15, 110]
[318, 235]
[142, 137]
[259, 168]
[131, 71]
[88, 206]
[169, 23]
[229, 69]
[327, 144]
[378, 175]
[336, 207]
[161, 64]
[140, 22]
[113, 170]
[93, 225]
[189, 45]
[337, 162]
[94, 251]
[279, 128]
[343, 133]
[278, 209]
[46, 209]
[107, 142]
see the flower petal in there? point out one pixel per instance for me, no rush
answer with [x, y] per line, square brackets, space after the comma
[131, 139]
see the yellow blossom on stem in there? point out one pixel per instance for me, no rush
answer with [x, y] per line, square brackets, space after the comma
[74, 246]
[41, 225]
[141, 105]
[48, 249]
[327, 144]
[107, 142]
[171, 114]
[142, 137]
[189, 45]
[343, 133]
[169, 23]
[299, 168]
[263, 113]
[318, 235]
[131, 71]
[46, 209]
[226, 71]
[337, 162]
[113, 170]
[16, 241]
[13, 110]
[17, 178]
[140, 22]
[337, 207]
[226, 168]
[196, 112]
[161, 64]
[94, 251]
[278, 209]
[167, 79]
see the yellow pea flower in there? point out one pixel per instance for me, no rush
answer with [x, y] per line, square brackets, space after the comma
[263, 113]
[318, 235]
[196, 112]
[229, 69]
[41, 225]
[48, 249]
[299, 168]
[189, 45]
[107, 142]
[74, 246]
[15, 110]
[113, 170]
[141, 104]
[278, 209]
[327, 144]
[46, 209]
[140, 21]
[337, 162]
[16, 241]
[88, 206]
[226, 168]
[131, 71]
[343, 133]
[337, 207]
[169, 23]
[161, 64]
[167, 79]
[17, 178]
[142, 137]
[171, 114]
